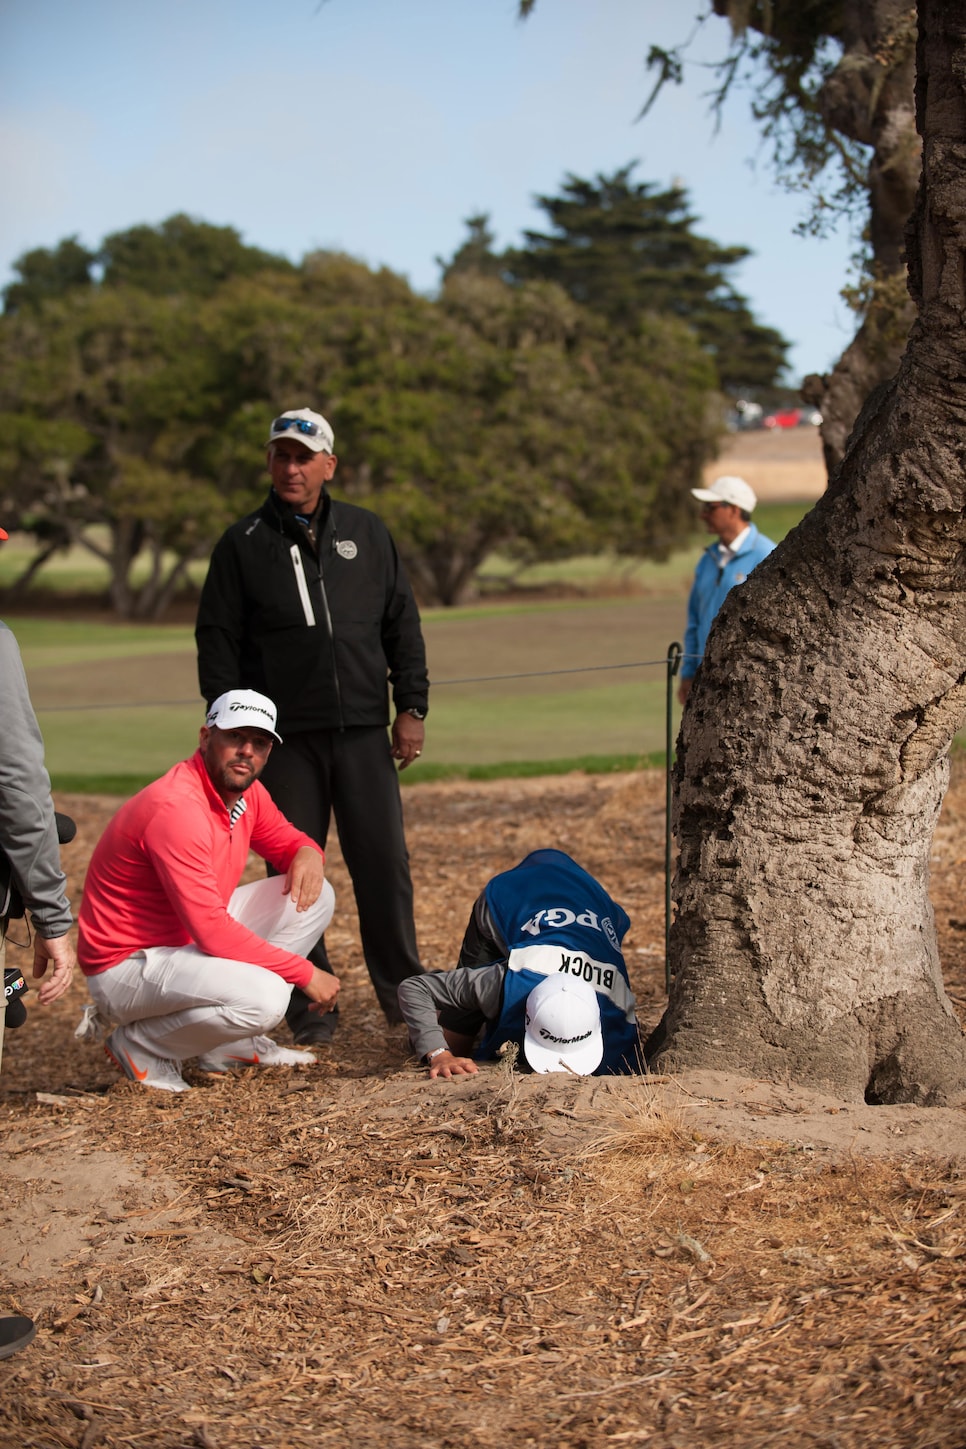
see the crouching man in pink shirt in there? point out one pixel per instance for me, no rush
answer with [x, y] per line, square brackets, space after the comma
[184, 960]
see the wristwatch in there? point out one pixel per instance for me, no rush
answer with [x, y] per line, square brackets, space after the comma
[416, 713]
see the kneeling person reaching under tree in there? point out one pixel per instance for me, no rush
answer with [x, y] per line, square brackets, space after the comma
[186, 961]
[541, 966]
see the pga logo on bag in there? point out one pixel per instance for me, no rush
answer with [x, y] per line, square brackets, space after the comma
[558, 916]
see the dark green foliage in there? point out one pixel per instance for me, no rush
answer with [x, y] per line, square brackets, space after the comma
[181, 256]
[626, 249]
[45, 273]
[134, 408]
[476, 253]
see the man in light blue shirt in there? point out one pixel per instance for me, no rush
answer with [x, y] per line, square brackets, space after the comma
[726, 509]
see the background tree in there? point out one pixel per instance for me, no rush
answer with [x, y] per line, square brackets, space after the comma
[832, 87]
[110, 401]
[45, 273]
[625, 249]
[133, 415]
[506, 417]
[476, 253]
[814, 749]
[181, 257]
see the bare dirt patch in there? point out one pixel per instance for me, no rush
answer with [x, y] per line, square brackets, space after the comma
[350, 1253]
[782, 465]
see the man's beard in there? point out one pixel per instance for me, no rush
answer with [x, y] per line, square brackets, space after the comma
[232, 784]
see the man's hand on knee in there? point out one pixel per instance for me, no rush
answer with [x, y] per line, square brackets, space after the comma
[322, 990]
[305, 878]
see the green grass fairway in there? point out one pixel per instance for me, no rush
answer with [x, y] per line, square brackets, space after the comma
[513, 682]
[120, 702]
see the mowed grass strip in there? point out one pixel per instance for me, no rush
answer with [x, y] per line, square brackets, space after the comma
[122, 701]
[525, 684]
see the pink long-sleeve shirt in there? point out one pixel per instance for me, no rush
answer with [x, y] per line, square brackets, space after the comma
[164, 870]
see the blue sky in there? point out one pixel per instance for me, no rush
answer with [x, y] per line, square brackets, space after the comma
[377, 126]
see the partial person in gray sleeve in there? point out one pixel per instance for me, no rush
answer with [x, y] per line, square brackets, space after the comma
[30, 861]
[29, 867]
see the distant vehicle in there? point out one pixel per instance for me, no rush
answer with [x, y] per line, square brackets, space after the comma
[783, 418]
[744, 416]
[793, 418]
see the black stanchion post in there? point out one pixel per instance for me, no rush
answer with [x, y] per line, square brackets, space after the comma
[674, 656]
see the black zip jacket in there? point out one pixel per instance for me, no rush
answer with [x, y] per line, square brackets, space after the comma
[319, 635]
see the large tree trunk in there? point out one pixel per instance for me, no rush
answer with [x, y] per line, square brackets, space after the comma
[813, 752]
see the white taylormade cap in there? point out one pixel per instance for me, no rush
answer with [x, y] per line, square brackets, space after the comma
[243, 709]
[563, 1027]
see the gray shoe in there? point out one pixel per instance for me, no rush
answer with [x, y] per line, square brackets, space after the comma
[143, 1066]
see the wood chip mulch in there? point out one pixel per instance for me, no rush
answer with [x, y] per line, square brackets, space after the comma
[350, 1254]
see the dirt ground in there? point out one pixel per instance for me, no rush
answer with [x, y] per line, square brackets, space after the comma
[781, 465]
[349, 1253]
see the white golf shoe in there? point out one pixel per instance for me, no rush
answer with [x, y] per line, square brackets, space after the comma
[252, 1051]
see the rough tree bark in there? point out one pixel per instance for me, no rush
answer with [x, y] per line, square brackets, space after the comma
[814, 748]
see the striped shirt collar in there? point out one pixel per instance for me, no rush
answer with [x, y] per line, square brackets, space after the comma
[237, 811]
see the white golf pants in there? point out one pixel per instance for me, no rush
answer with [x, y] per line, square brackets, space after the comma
[177, 1002]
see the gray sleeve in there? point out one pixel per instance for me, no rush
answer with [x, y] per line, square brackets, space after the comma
[28, 833]
[466, 988]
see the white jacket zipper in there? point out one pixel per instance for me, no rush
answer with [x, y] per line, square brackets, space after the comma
[303, 587]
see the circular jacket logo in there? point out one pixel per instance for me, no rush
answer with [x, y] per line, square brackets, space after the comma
[345, 548]
[607, 926]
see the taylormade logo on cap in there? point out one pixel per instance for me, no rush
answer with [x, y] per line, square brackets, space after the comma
[563, 1031]
[564, 1040]
[243, 709]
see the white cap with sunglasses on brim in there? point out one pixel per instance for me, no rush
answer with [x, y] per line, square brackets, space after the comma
[305, 427]
[243, 709]
[729, 489]
[563, 1027]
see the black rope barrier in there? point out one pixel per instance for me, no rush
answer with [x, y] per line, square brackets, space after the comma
[671, 661]
[434, 684]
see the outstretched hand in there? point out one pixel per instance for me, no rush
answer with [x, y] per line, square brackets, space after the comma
[448, 1065]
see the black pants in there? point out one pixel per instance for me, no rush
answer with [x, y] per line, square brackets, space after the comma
[350, 773]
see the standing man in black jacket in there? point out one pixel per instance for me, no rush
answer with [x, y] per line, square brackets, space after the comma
[307, 601]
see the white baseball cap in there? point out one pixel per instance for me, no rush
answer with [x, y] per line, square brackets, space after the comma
[305, 427]
[241, 709]
[729, 489]
[563, 1027]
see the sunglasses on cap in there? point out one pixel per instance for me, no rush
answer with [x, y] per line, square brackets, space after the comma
[301, 425]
